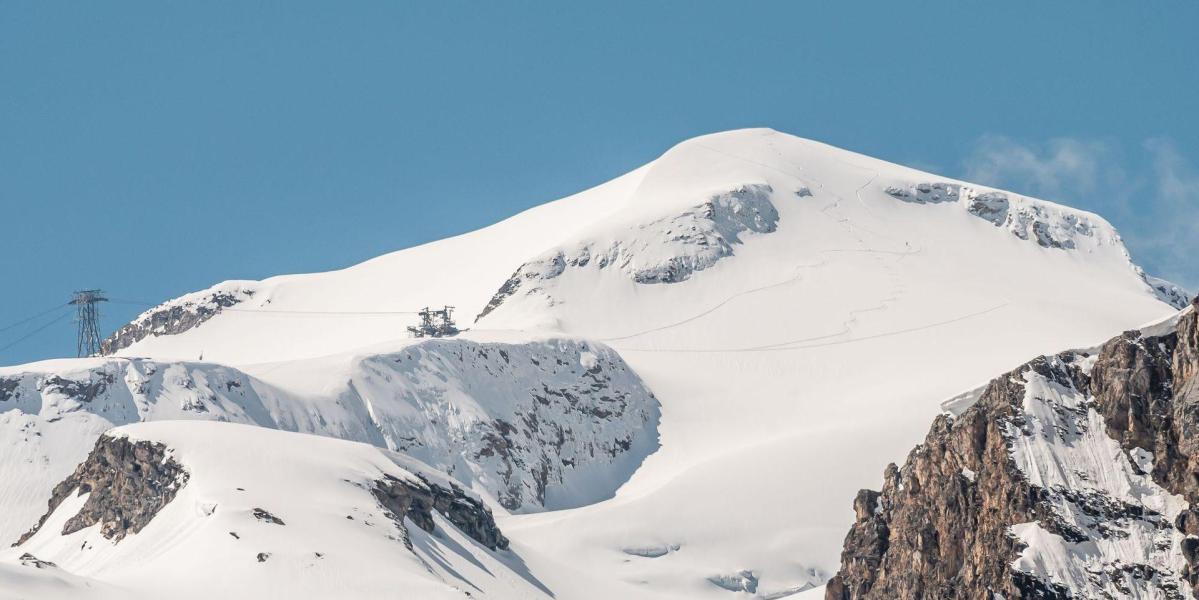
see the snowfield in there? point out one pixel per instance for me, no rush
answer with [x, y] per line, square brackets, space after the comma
[798, 311]
[269, 514]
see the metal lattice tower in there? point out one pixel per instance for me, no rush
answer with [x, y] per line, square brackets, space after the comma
[88, 318]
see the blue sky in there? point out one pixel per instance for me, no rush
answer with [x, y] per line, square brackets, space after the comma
[156, 148]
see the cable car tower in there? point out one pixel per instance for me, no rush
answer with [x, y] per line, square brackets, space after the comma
[87, 316]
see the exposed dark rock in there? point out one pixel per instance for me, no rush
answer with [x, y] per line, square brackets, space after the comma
[262, 556]
[29, 560]
[9, 387]
[990, 206]
[926, 193]
[941, 525]
[263, 515]
[83, 391]
[418, 502]
[128, 483]
[172, 318]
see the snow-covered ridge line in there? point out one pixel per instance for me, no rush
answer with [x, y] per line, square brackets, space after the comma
[180, 314]
[1047, 224]
[667, 249]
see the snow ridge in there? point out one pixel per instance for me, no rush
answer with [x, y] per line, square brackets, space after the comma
[180, 314]
[669, 249]
[1047, 224]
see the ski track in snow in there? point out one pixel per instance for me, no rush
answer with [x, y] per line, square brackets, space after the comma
[848, 325]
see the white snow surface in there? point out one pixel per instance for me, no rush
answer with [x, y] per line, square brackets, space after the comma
[799, 325]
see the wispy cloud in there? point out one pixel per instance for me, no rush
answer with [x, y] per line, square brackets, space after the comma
[1174, 238]
[1150, 192]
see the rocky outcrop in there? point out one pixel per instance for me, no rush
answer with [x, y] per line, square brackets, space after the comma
[1165, 291]
[177, 316]
[418, 501]
[126, 483]
[1048, 225]
[668, 250]
[1069, 477]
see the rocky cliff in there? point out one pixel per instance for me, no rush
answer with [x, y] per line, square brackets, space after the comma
[1069, 477]
[126, 483]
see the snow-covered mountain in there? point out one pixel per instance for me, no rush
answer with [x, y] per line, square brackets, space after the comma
[797, 310]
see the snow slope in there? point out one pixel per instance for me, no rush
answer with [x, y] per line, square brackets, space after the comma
[798, 310]
[268, 514]
[326, 313]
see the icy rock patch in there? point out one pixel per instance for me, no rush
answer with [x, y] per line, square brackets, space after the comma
[652, 551]
[926, 193]
[741, 581]
[545, 424]
[1113, 526]
[667, 250]
[990, 206]
[1165, 291]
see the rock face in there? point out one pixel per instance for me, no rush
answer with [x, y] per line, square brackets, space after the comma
[667, 250]
[1069, 477]
[127, 484]
[178, 315]
[521, 422]
[419, 501]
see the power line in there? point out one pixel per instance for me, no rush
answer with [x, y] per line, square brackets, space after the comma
[284, 311]
[35, 331]
[28, 319]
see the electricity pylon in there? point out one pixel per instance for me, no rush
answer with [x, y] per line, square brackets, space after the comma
[88, 319]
